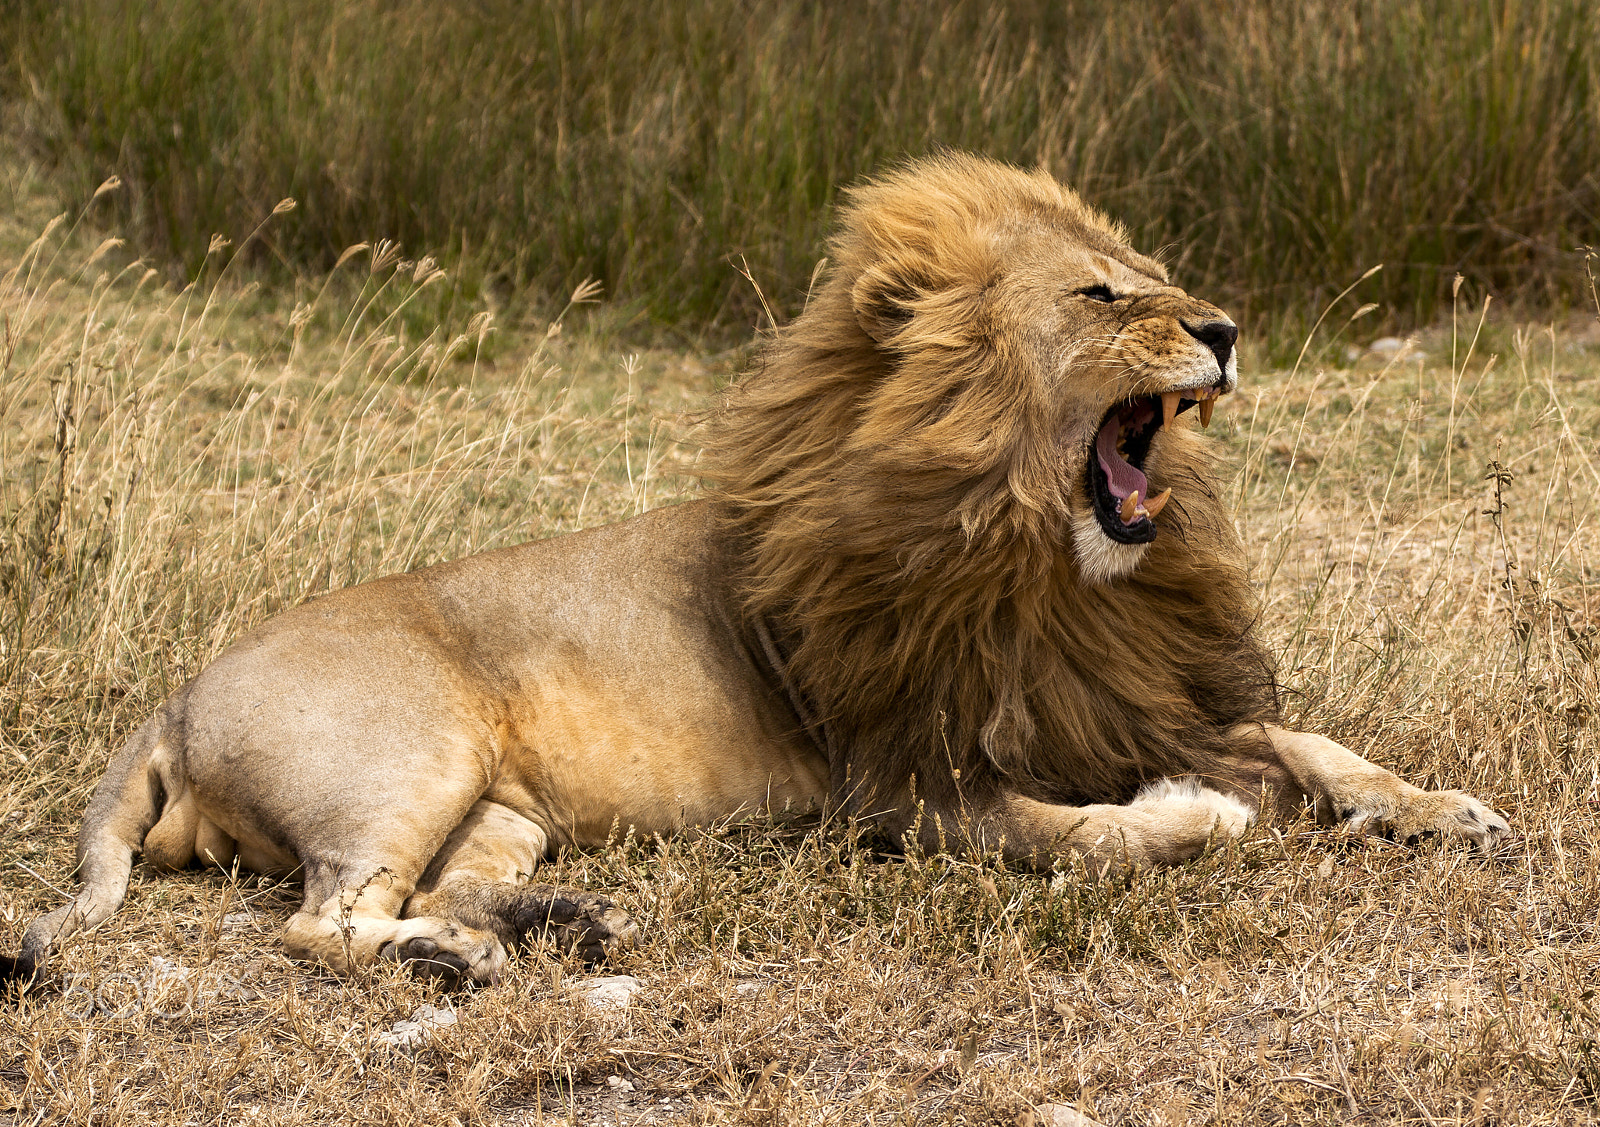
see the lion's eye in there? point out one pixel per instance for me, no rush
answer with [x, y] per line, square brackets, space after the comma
[1098, 293]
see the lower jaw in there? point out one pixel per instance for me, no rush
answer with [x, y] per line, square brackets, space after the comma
[1102, 559]
[1139, 533]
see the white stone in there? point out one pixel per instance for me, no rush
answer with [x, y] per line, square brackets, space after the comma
[411, 1035]
[1387, 348]
[1061, 1115]
[614, 992]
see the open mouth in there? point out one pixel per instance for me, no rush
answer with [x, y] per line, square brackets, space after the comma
[1117, 484]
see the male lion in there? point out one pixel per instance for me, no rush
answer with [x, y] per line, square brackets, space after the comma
[964, 570]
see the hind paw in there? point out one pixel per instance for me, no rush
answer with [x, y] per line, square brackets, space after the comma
[1182, 816]
[424, 958]
[447, 952]
[585, 922]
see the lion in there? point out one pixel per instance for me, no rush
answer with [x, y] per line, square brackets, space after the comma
[963, 569]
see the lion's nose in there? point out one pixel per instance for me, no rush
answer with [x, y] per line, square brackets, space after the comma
[1217, 335]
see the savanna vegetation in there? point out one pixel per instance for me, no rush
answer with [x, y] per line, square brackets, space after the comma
[196, 432]
[1274, 151]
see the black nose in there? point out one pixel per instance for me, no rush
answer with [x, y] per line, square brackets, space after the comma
[1218, 336]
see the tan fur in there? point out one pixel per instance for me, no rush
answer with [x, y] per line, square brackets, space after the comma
[908, 503]
[899, 599]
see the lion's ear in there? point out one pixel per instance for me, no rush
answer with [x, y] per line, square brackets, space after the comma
[882, 297]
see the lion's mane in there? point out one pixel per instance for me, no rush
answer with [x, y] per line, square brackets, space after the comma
[898, 503]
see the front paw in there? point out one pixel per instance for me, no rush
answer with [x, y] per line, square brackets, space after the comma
[1172, 820]
[1466, 818]
[599, 928]
[1450, 814]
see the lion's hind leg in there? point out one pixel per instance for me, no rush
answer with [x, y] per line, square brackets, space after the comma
[351, 918]
[1186, 806]
[479, 877]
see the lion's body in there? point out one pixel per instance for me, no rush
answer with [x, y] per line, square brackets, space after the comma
[929, 587]
[503, 677]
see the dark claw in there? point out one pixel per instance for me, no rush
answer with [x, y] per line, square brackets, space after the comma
[590, 949]
[562, 911]
[541, 909]
[576, 919]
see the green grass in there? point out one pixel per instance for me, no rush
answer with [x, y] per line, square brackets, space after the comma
[1276, 152]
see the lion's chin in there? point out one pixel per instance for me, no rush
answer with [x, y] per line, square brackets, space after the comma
[1102, 560]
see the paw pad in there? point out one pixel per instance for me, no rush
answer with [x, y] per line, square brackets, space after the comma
[423, 957]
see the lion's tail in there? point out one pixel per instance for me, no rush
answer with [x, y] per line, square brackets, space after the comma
[124, 808]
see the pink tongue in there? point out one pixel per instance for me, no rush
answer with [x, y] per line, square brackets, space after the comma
[1122, 477]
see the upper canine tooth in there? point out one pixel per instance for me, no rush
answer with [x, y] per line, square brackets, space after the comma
[1206, 407]
[1155, 504]
[1130, 505]
[1169, 406]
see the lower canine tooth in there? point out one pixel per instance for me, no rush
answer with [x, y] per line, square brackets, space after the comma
[1155, 504]
[1130, 505]
[1206, 407]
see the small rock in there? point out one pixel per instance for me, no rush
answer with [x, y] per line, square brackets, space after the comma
[409, 1036]
[750, 989]
[1388, 348]
[614, 992]
[617, 1083]
[1060, 1115]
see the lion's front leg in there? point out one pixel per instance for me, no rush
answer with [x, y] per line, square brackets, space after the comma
[1367, 798]
[1169, 821]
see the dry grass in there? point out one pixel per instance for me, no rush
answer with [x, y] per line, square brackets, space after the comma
[176, 466]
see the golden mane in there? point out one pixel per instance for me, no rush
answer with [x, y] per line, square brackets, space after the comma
[892, 472]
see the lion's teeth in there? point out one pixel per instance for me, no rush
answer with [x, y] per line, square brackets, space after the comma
[1206, 407]
[1155, 504]
[1169, 406]
[1130, 505]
